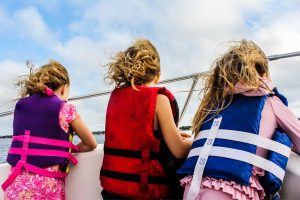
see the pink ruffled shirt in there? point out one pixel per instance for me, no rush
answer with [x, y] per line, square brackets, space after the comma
[275, 114]
[34, 186]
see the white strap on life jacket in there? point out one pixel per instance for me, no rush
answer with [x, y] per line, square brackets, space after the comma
[200, 164]
[249, 138]
[209, 150]
[245, 157]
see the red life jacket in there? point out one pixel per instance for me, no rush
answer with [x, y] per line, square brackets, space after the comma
[131, 166]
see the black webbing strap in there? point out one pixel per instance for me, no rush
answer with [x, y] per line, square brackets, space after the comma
[129, 153]
[133, 177]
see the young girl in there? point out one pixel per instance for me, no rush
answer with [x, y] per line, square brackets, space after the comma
[140, 117]
[42, 139]
[234, 123]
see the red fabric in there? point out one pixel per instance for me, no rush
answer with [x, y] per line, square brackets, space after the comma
[129, 126]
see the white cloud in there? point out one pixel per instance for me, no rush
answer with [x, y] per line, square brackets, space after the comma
[280, 34]
[85, 60]
[30, 24]
[10, 71]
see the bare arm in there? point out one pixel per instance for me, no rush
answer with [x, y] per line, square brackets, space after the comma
[88, 141]
[178, 146]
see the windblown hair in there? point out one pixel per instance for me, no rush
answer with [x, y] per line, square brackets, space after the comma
[245, 63]
[137, 65]
[52, 75]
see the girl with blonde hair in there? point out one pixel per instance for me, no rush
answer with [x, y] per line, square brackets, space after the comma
[43, 127]
[141, 129]
[233, 156]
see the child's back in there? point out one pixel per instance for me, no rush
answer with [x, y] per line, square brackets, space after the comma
[235, 121]
[133, 148]
[42, 137]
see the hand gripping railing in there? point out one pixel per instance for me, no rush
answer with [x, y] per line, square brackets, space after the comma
[195, 77]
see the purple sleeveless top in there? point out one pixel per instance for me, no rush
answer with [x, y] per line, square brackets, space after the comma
[40, 115]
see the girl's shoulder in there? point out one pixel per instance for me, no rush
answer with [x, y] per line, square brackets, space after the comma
[68, 107]
[67, 114]
[69, 111]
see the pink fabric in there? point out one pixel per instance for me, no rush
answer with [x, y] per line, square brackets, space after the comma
[67, 114]
[275, 114]
[47, 141]
[33, 186]
[41, 152]
[222, 189]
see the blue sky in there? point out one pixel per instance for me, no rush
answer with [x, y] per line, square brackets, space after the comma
[189, 35]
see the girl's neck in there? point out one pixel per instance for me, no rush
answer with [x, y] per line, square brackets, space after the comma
[150, 84]
[153, 82]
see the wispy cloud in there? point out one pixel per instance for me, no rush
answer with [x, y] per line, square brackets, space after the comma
[31, 25]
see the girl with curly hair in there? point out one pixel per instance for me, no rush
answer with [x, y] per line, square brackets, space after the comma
[43, 128]
[142, 141]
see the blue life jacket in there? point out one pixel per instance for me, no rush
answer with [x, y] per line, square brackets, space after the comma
[237, 117]
[233, 151]
[270, 182]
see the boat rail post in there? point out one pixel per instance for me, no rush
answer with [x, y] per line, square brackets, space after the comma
[195, 78]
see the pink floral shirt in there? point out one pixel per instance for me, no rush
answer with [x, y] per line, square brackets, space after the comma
[32, 186]
[66, 115]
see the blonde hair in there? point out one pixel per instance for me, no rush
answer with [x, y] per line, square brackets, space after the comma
[52, 75]
[245, 63]
[137, 65]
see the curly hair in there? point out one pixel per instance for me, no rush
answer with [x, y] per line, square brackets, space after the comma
[52, 75]
[137, 65]
[245, 63]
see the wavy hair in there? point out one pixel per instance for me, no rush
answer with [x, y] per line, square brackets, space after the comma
[137, 65]
[245, 63]
[52, 75]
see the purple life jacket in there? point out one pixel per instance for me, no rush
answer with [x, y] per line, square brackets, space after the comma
[38, 140]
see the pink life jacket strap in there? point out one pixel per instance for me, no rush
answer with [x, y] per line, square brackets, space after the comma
[42, 152]
[24, 151]
[47, 141]
[13, 175]
[31, 168]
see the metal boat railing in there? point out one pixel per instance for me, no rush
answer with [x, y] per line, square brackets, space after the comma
[195, 77]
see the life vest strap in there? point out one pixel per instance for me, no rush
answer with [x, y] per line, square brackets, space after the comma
[129, 153]
[243, 156]
[133, 177]
[202, 159]
[22, 163]
[31, 168]
[249, 138]
[42, 152]
[46, 141]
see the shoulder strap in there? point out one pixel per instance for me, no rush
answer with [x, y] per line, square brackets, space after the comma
[173, 102]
